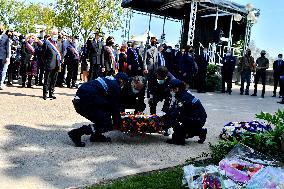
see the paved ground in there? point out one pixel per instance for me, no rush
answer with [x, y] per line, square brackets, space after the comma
[35, 151]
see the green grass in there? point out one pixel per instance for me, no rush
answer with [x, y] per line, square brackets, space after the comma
[163, 179]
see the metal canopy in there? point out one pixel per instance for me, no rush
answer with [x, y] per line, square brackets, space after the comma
[179, 8]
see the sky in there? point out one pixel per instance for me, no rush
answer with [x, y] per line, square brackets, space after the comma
[267, 33]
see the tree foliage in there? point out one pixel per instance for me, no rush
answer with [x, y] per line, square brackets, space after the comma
[76, 17]
[83, 17]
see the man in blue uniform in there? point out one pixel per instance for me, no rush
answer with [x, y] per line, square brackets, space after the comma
[229, 63]
[187, 116]
[98, 101]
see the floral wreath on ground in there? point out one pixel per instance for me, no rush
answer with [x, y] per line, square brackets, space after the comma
[235, 129]
[140, 123]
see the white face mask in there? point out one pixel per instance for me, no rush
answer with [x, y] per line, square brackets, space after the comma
[135, 91]
[160, 82]
[176, 48]
[168, 50]
[55, 38]
[228, 54]
[205, 52]
[173, 94]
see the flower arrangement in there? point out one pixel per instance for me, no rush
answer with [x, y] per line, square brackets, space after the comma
[238, 170]
[235, 129]
[140, 123]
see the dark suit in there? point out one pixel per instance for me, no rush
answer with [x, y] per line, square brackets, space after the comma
[278, 68]
[202, 63]
[229, 63]
[134, 60]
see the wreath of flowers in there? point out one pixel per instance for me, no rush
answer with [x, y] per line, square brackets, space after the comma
[235, 129]
[141, 124]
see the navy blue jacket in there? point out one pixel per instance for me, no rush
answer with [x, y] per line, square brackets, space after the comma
[187, 64]
[278, 69]
[229, 63]
[92, 94]
[187, 107]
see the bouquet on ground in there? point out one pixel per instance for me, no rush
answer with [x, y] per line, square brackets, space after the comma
[235, 129]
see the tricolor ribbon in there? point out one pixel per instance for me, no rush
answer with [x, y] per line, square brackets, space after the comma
[74, 51]
[135, 55]
[30, 48]
[55, 49]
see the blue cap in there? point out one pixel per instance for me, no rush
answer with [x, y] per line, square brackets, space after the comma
[176, 83]
[121, 75]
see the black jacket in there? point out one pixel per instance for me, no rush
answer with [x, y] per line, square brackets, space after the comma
[278, 69]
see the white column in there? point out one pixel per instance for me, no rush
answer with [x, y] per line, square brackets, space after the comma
[230, 33]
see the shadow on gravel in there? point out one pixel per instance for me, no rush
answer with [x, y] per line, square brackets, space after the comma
[19, 94]
[46, 152]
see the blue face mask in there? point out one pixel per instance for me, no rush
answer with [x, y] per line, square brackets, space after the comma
[173, 94]
[160, 81]
[135, 91]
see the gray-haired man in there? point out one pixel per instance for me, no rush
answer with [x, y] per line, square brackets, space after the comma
[5, 55]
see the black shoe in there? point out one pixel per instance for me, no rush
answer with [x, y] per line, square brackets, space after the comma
[99, 138]
[253, 94]
[9, 84]
[52, 96]
[241, 93]
[281, 102]
[171, 141]
[273, 95]
[247, 93]
[75, 136]
[262, 96]
[202, 136]
[230, 93]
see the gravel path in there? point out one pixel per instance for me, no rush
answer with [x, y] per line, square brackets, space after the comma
[35, 151]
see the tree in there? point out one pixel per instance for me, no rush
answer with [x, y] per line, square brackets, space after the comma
[83, 17]
[32, 14]
[9, 11]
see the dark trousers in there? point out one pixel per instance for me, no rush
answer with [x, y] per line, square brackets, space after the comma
[50, 77]
[260, 74]
[40, 74]
[227, 78]
[24, 79]
[201, 81]
[72, 72]
[61, 75]
[12, 71]
[191, 128]
[276, 81]
[95, 71]
[154, 102]
[100, 117]
[245, 77]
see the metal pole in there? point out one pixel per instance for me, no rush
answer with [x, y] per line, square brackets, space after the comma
[148, 38]
[216, 20]
[163, 35]
[230, 33]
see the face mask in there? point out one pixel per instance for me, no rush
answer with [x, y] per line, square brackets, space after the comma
[135, 91]
[205, 52]
[160, 82]
[168, 50]
[55, 38]
[177, 49]
[228, 54]
[173, 94]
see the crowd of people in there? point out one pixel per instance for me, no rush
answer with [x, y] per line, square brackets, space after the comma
[118, 78]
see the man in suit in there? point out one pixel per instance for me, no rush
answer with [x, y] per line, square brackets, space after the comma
[278, 70]
[96, 56]
[134, 61]
[176, 54]
[202, 63]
